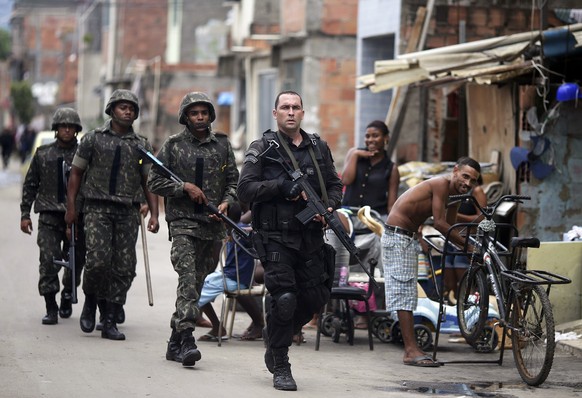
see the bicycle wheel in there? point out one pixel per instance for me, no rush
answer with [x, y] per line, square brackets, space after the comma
[532, 334]
[472, 304]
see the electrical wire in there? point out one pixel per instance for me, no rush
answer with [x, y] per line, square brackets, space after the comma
[542, 89]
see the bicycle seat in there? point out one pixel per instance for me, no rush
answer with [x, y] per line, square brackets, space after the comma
[525, 242]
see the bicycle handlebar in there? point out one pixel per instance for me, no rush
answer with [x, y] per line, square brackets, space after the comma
[488, 211]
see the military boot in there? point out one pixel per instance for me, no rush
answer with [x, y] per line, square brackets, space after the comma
[109, 330]
[87, 319]
[189, 351]
[52, 310]
[282, 377]
[66, 307]
[174, 347]
[101, 304]
[120, 318]
[269, 361]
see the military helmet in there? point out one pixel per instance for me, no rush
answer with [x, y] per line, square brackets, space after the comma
[195, 98]
[66, 116]
[122, 95]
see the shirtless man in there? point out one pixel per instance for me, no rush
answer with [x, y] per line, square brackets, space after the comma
[400, 255]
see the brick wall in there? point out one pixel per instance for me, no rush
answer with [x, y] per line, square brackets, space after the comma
[340, 17]
[336, 100]
[142, 29]
[51, 39]
[480, 23]
[329, 67]
[293, 18]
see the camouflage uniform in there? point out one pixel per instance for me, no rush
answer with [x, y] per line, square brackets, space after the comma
[208, 163]
[44, 185]
[113, 173]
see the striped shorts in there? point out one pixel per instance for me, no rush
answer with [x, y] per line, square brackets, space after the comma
[400, 261]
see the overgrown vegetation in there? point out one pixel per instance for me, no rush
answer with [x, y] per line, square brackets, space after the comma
[22, 100]
[5, 44]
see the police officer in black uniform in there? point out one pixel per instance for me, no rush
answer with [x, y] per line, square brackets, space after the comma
[292, 253]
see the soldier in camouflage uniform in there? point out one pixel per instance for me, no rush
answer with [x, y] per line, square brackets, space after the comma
[45, 185]
[112, 170]
[204, 160]
[141, 205]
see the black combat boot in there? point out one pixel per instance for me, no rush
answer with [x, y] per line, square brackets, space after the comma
[52, 310]
[109, 330]
[87, 319]
[189, 352]
[66, 307]
[174, 347]
[120, 317]
[101, 304]
[282, 377]
[269, 361]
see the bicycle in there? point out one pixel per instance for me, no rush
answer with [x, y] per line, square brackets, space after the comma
[525, 311]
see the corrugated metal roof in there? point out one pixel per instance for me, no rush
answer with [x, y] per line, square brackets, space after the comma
[485, 61]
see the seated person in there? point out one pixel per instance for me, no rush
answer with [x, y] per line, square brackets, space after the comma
[214, 286]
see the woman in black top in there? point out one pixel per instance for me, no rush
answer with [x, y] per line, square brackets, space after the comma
[370, 177]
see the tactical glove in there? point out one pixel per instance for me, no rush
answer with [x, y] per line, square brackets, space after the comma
[289, 189]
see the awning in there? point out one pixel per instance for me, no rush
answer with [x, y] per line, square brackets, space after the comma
[485, 61]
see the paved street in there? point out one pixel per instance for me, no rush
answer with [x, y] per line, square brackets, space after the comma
[62, 361]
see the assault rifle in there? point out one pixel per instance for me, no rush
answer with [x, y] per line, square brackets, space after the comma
[238, 233]
[70, 262]
[315, 206]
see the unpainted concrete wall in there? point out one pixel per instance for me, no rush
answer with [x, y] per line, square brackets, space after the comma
[556, 203]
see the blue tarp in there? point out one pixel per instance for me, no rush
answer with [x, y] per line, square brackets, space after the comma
[225, 98]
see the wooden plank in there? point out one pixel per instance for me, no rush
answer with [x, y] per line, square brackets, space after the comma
[493, 130]
[400, 95]
[411, 46]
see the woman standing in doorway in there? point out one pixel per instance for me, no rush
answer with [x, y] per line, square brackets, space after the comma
[370, 177]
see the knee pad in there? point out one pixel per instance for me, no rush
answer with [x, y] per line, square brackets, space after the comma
[286, 304]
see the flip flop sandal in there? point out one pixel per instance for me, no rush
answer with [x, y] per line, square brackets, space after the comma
[423, 361]
[210, 337]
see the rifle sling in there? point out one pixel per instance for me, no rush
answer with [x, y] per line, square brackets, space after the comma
[296, 166]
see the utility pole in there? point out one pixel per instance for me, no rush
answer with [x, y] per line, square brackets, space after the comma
[543, 15]
[111, 51]
[81, 57]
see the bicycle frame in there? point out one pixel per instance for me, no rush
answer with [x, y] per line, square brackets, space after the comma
[492, 262]
[495, 266]
[508, 283]
[501, 288]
